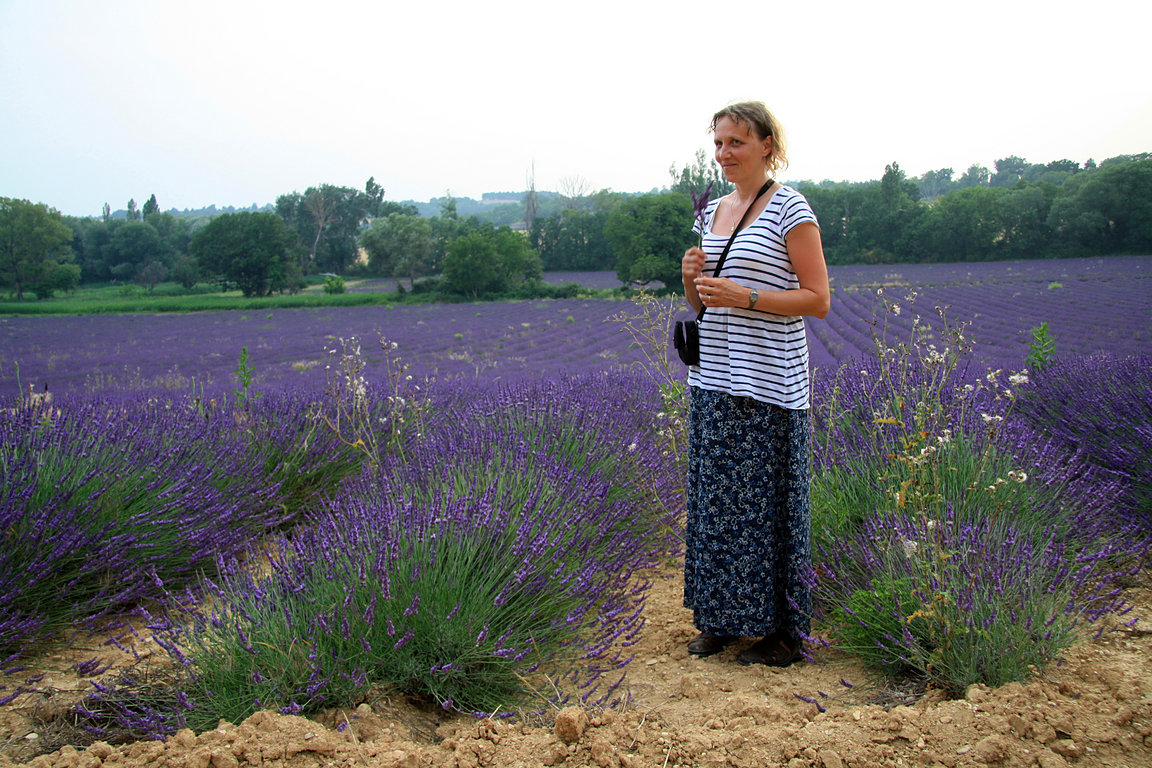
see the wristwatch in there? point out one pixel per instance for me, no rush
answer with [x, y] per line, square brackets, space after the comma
[753, 295]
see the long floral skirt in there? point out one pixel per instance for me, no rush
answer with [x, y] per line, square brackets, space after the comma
[749, 533]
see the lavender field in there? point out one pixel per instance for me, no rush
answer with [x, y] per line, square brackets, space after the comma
[1090, 305]
[480, 539]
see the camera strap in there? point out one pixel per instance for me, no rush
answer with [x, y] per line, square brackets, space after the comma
[724, 254]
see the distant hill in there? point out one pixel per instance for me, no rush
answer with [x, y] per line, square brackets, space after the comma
[499, 207]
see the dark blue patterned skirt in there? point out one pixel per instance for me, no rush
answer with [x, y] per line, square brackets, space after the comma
[748, 534]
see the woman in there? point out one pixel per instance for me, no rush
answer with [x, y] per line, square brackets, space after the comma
[748, 508]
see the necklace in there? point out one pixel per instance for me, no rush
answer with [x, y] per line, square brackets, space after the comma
[736, 222]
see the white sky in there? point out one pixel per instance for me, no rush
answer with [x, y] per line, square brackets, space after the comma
[237, 102]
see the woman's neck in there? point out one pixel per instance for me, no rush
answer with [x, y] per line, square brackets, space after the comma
[746, 191]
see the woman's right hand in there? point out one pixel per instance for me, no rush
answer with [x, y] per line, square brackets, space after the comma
[690, 268]
[692, 264]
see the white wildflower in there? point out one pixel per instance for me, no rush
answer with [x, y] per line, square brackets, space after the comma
[910, 547]
[1017, 379]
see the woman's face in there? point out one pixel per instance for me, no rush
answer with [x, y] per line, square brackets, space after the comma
[739, 153]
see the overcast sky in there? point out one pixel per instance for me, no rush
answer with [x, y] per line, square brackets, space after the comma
[237, 102]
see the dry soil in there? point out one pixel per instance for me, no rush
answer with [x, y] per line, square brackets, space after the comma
[1093, 709]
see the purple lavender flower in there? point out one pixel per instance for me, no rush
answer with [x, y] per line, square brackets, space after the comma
[700, 205]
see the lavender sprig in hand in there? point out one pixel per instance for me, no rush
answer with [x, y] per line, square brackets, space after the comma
[699, 204]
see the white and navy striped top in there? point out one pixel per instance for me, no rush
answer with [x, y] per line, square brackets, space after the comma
[748, 352]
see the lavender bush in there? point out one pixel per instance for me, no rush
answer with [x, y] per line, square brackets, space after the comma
[104, 502]
[951, 545]
[1101, 405]
[952, 604]
[492, 562]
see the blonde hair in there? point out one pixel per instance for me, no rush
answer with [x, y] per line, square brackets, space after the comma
[762, 124]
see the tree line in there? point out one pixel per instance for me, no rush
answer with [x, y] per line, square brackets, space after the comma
[1019, 210]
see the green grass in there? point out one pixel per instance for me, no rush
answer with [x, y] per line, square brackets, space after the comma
[111, 299]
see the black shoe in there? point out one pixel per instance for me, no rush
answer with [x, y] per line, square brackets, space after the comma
[707, 644]
[773, 651]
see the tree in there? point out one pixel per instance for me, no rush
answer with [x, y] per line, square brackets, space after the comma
[399, 245]
[935, 183]
[519, 262]
[573, 190]
[254, 251]
[134, 244]
[886, 218]
[374, 196]
[471, 266]
[185, 272]
[1009, 170]
[964, 225]
[34, 248]
[151, 207]
[574, 240]
[151, 274]
[489, 261]
[1108, 210]
[976, 176]
[58, 276]
[531, 200]
[1024, 221]
[696, 177]
[320, 204]
[327, 221]
[649, 234]
[133, 213]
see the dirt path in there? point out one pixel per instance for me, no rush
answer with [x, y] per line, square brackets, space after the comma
[1094, 709]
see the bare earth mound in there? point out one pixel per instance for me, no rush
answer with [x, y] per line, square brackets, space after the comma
[1093, 709]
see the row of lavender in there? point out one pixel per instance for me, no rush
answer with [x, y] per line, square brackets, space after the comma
[465, 544]
[1089, 305]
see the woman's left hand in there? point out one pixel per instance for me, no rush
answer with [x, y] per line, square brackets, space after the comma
[721, 292]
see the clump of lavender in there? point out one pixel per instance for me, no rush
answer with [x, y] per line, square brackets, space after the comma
[952, 604]
[109, 502]
[495, 564]
[952, 545]
[1100, 406]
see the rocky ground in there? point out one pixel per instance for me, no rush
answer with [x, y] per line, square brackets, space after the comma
[1092, 709]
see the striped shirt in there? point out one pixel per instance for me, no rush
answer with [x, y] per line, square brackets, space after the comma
[749, 352]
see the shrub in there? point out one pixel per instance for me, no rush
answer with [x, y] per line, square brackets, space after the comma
[491, 563]
[953, 604]
[107, 503]
[951, 545]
